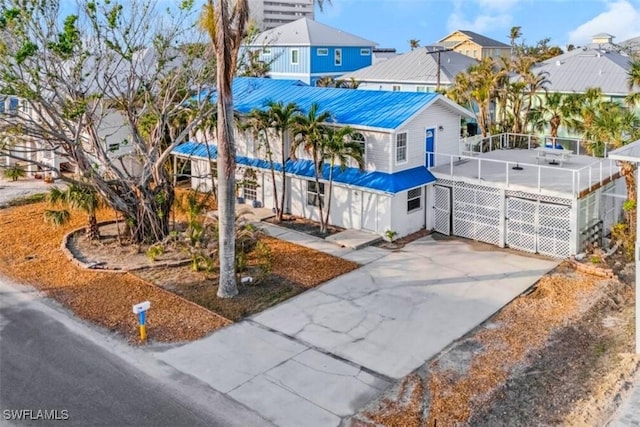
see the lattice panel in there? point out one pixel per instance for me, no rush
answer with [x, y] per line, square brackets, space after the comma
[521, 224]
[611, 206]
[442, 210]
[540, 197]
[476, 213]
[554, 230]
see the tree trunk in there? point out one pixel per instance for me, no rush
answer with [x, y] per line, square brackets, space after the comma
[93, 231]
[326, 221]
[318, 168]
[555, 124]
[227, 286]
[150, 221]
[628, 171]
[273, 182]
[284, 179]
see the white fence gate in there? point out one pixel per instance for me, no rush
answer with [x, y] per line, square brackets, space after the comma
[521, 224]
[476, 213]
[540, 227]
[442, 210]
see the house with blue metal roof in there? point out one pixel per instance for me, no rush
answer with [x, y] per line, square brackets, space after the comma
[308, 50]
[399, 131]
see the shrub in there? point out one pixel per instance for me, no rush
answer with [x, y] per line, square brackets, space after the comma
[155, 251]
[14, 172]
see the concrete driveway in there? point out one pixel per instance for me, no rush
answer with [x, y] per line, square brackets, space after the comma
[322, 355]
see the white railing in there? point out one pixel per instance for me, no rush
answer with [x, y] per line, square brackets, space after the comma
[479, 144]
[600, 169]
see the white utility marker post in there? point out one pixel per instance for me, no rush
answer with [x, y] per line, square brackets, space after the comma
[631, 153]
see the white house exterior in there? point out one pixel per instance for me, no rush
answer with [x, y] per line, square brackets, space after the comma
[398, 129]
[113, 132]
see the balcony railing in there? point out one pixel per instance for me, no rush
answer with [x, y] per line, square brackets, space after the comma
[477, 144]
[515, 172]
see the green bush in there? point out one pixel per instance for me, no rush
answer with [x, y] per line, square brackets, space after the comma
[14, 172]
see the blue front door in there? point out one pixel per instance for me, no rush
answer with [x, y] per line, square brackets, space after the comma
[429, 147]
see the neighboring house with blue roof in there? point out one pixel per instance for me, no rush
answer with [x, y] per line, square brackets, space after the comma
[396, 129]
[307, 50]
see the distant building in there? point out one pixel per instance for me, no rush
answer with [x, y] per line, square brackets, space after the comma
[474, 45]
[420, 70]
[270, 14]
[307, 50]
[598, 65]
[382, 54]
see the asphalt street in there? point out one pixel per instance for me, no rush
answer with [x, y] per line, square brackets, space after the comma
[51, 362]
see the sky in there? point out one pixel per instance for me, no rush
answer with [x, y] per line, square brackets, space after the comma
[392, 23]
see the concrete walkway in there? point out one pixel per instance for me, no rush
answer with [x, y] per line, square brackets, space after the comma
[322, 355]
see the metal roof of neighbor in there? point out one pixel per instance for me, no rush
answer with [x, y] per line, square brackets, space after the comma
[366, 108]
[377, 181]
[478, 38]
[626, 153]
[306, 32]
[583, 68]
[417, 66]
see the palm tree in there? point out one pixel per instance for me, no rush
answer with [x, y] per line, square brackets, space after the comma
[633, 82]
[282, 118]
[326, 81]
[557, 110]
[78, 197]
[226, 25]
[352, 83]
[615, 125]
[308, 130]
[414, 44]
[478, 88]
[514, 34]
[259, 123]
[337, 147]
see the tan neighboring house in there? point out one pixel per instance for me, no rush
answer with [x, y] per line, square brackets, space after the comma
[474, 45]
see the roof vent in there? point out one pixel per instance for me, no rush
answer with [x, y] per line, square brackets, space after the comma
[558, 63]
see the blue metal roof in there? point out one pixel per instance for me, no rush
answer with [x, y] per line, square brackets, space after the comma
[378, 181]
[376, 109]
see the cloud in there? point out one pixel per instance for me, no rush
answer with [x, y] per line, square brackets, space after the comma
[495, 15]
[621, 19]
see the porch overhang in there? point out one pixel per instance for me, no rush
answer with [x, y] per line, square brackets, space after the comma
[373, 181]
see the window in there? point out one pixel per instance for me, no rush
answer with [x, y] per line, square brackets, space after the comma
[250, 191]
[466, 52]
[2, 102]
[421, 88]
[365, 52]
[359, 138]
[323, 51]
[294, 56]
[315, 197]
[414, 199]
[395, 88]
[13, 105]
[337, 57]
[401, 147]
[475, 53]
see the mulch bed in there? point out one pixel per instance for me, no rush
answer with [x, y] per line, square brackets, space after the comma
[31, 254]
